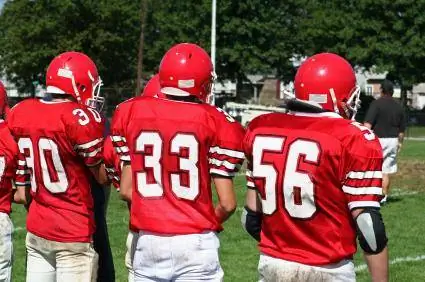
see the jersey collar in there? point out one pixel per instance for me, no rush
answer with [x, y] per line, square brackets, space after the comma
[323, 114]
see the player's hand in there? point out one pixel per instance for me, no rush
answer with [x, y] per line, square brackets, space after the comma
[399, 145]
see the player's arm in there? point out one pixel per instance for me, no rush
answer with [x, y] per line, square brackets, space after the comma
[363, 189]
[22, 181]
[85, 132]
[226, 205]
[252, 215]
[119, 142]
[126, 183]
[225, 159]
[99, 174]
[373, 241]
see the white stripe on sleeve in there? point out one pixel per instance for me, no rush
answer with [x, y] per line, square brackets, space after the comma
[362, 190]
[361, 204]
[227, 152]
[364, 174]
[88, 144]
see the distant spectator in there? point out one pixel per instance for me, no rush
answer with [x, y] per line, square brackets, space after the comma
[386, 117]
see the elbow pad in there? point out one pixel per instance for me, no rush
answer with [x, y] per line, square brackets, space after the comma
[251, 222]
[371, 231]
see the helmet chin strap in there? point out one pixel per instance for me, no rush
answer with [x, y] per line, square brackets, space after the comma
[334, 101]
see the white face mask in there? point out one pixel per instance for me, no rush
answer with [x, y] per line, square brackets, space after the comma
[96, 102]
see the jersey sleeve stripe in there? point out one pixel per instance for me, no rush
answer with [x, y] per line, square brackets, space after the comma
[226, 164]
[362, 191]
[25, 183]
[121, 149]
[118, 138]
[227, 152]
[361, 204]
[364, 174]
[125, 158]
[250, 184]
[22, 163]
[90, 154]
[221, 172]
[88, 145]
[23, 171]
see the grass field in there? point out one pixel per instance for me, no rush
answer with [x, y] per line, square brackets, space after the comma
[404, 218]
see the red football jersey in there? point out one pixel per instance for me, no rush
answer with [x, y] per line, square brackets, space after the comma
[58, 146]
[174, 148]
[112, 162]
[8, 160]
[311, 170]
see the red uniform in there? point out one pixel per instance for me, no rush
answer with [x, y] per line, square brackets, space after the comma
[59, 140]
[174, 148]
[112, 163]
[311, 170]
[8, 160]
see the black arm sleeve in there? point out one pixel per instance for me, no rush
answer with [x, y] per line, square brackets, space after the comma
[251, 222]
[371, 113]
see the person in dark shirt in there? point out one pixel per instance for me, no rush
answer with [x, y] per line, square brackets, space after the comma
[386, 117]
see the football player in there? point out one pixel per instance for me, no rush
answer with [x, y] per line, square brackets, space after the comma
[314, 178]
[8, 159]
[61, 140]
[176, 145]
[113, 169]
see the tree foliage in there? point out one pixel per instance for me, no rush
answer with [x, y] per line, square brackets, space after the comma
[253, 36]
[33, 32]
[386, 35]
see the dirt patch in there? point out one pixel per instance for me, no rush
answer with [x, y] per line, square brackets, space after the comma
[410, 175]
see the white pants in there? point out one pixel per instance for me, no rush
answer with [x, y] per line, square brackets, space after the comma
[6, 247]
[129, 255]
[51, 261]
[277, 270]
[192, 257]
[389, 150]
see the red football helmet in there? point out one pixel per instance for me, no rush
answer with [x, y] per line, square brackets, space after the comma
[186, 69]
[153, 88]
[74, 73]
[329, 81]
[4, 105]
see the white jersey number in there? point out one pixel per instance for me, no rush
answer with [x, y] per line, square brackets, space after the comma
[152, 162]
[298, 187]
[52, 170]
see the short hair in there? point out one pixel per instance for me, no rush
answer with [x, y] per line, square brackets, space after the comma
[387, 87]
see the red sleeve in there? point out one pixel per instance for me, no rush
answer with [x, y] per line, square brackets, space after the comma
[226, 155]
[85, 133]
[362, 183]
[118, 133]
[8, 153]
[22, 175]
[112, 163]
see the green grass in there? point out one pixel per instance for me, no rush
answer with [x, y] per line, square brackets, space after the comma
[415, 131]
[239, 255]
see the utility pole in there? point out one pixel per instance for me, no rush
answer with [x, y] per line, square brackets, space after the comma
[213, 39]
[143, 13]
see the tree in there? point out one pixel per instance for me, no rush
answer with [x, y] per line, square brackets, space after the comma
[143, 12]
[33, 32]
[386, 35]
